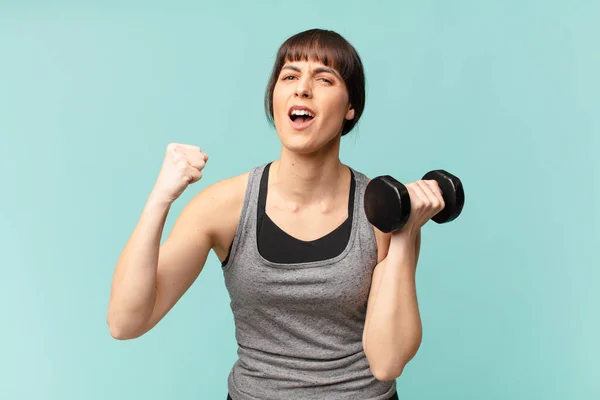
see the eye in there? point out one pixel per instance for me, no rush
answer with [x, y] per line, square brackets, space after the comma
[326, 80]
[287, 77]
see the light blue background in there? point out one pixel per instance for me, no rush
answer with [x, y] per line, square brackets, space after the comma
[503, 94]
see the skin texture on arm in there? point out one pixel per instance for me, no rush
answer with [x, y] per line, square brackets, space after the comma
[397, 303]
[394, 332]
[207, 222]
[183, 254]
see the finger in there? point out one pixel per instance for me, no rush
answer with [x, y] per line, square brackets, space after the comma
[191, 148]
[435, 187]
[179, 151]
[417, 192]
[172, 147]
[197, 160]
[432, 198]
[194, 175]
[194, 155]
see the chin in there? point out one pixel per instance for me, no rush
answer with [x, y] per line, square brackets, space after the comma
[304, 142]
[299, 145]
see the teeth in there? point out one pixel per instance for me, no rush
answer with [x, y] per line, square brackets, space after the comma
[302, 112]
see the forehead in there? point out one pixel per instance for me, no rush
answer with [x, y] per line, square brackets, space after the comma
[308, 66]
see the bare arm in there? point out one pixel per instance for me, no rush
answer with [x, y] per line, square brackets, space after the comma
[393, 330]
[149, 278]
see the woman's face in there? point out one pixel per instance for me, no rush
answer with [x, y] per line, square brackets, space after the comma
[310, 105]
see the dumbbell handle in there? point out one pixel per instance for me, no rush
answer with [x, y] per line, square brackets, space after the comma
[452, 193]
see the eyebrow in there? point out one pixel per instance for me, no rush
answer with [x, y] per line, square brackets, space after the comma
[317, 70]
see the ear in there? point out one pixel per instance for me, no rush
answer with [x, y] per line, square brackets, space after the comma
[350, 113]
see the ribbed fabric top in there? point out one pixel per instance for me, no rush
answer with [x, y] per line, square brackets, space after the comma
[299, 326]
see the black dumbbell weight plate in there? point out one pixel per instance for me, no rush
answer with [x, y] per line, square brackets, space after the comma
[453, 193]
[387, 203]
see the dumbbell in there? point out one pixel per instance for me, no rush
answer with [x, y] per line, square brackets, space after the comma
[387, 201]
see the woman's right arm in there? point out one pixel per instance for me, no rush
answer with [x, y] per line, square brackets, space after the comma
[149, 278]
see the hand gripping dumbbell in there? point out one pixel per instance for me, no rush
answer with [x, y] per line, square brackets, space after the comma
[387, 201]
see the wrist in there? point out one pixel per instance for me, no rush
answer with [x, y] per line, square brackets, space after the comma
[403, 248]
[404, 236]
[157, 202]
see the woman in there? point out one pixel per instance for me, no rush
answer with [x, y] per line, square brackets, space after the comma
[324, 303]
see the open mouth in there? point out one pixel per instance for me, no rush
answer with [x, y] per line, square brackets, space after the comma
[301, 116]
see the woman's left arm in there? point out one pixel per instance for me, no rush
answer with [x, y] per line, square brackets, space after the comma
[393, 331]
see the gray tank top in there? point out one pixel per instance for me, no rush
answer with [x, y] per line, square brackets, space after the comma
[299, 326]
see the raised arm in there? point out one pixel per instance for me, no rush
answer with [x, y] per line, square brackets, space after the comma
[150, 278]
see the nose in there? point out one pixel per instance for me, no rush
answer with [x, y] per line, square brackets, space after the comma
[303, 89]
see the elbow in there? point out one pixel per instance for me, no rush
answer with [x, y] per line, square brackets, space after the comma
[121, 331]
[385, 369]
[387, 374]
[387, 361]
[388, 367]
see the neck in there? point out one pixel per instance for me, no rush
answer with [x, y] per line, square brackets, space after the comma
[306, 179]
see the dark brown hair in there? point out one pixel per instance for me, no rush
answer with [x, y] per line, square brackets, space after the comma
[330, 49]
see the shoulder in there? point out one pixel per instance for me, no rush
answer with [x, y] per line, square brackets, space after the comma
[217, 209]
[218, 200]
[221, 194]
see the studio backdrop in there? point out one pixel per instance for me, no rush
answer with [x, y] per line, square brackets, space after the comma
[503, 94]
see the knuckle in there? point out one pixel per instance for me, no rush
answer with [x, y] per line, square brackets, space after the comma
[181, 165]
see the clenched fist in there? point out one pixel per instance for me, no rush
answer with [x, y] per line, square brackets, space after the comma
[426, 201]
[182, 166]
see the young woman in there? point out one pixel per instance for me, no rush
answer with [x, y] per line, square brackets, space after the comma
[324, 304]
